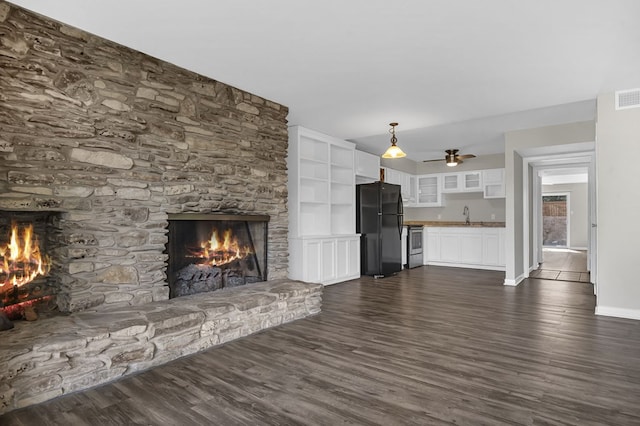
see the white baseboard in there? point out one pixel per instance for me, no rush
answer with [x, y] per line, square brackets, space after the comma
[533, 268]
[608, 311]
[467, 265]
[515, 282]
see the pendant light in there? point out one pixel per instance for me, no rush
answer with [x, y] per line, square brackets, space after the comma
[393, 151]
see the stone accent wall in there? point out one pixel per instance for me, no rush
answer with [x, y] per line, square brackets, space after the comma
[40, 361]
[115, 140]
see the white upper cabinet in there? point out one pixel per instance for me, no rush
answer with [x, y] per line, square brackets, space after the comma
[404, 180]
[470, 181]
[493, 183]
[428, 192]
[367, 167]
[451, 182]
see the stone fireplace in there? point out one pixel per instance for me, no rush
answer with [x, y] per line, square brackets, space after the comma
[109, 144]
[115, 141]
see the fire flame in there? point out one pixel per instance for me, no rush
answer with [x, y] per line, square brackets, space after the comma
[20, 259]
[220, 250]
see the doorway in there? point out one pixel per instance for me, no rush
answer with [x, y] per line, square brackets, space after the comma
[563, 225]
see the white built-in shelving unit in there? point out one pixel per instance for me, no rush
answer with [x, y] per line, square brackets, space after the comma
[323, 245]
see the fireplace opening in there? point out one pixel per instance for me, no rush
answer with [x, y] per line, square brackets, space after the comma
[26, 278]
[211, 252]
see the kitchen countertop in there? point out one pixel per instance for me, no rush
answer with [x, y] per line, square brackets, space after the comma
[443, 223]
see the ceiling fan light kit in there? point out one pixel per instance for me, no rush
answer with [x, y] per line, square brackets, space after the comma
[451, 160]
[393, 151]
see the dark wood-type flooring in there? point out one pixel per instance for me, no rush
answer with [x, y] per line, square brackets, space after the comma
[430, 346]
[563, 265]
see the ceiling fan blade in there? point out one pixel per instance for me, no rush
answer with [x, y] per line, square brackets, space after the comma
[466, 156]
[428, 161]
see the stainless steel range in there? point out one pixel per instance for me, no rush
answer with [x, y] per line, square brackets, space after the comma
[414, 246]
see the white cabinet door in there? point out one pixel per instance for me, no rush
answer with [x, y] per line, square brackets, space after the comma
[431, 241]
[407, 193]
[413, 189]
[391, 176]
[347, 260]
[472, 181]
[493, 183]
[449, 246]
[471, 247]
[403, 179]
[367, 167]
[328, 260]
[312, 258]
[428, 191]
[451, 182]
[491, 249]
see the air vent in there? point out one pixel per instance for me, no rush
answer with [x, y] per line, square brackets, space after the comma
[628, 99]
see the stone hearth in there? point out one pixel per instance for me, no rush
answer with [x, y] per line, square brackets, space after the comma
[46, 359]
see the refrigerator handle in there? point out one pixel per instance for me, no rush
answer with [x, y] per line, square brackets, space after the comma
[400, 215]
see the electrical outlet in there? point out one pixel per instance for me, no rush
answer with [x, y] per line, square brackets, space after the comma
[493, 216]
[439, 216]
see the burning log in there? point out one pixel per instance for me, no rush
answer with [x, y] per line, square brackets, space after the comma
[194, 279]
[21, 262]
[20, 259]
[25, 310]
[220, 250]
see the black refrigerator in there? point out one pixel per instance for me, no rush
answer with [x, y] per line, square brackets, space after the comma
[379, 221]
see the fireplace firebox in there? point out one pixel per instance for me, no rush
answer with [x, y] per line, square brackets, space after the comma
[26, 241]
[208, 252]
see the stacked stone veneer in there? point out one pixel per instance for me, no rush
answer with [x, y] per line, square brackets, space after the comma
[115, 140]
[89, 348]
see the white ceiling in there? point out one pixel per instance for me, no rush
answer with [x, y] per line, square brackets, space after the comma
[454, 74]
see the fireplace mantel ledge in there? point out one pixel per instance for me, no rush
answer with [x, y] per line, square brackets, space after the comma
[45, 359]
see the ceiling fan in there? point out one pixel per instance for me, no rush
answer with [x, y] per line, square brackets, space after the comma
[452, 158]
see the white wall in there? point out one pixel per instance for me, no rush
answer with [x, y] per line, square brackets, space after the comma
[403, 164]
[618, 151]
[578, 214]
[480, 209]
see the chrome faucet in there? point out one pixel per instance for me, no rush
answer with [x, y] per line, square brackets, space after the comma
[465, 212]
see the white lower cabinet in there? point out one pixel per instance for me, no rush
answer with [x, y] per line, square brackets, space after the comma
[326, 261]
[480, 248]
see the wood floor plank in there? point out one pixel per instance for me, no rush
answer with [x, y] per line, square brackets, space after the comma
[429, 346]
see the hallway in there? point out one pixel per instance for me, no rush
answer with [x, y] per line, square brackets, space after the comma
[563, 264]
